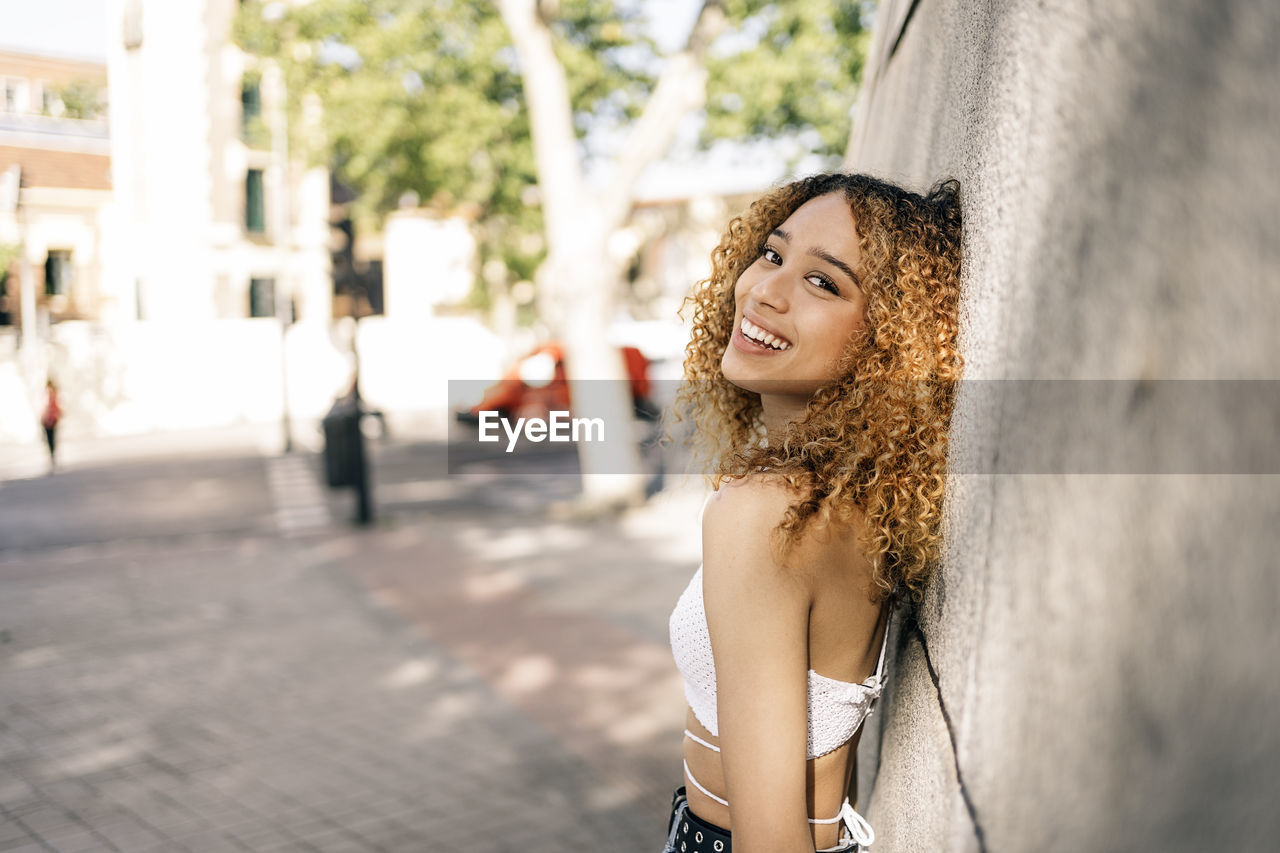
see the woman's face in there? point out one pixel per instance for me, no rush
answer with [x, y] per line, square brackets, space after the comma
[797, 304]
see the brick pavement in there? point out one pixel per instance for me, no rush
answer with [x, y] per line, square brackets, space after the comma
[469, 681]
[567, 623]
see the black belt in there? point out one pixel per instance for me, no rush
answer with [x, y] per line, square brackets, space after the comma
[688, 833]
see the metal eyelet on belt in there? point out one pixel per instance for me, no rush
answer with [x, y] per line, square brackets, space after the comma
[697, 836]
[719, 845]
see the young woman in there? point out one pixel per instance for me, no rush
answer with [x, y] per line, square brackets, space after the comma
[820, 379]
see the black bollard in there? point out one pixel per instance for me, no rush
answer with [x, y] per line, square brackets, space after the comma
[364, 502]
[346, 461]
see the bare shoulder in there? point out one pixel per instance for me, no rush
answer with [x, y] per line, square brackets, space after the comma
[759, 497]
[744, 514]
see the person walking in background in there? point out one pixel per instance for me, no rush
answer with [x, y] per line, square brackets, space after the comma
[49, 420]
[820, 377]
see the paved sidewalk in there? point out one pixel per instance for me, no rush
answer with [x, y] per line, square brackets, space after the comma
[465, 680]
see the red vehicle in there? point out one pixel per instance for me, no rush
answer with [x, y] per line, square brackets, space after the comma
[536, 384]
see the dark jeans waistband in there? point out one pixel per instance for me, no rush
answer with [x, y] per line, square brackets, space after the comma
[688, 833]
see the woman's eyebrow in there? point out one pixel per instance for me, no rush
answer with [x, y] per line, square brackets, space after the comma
[835, 262]
[823, 254]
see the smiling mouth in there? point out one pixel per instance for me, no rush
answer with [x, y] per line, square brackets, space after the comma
[754, 333]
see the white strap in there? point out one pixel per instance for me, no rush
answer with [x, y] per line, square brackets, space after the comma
[696, 739]
[884, 645]
[721, 800]
[859, 829]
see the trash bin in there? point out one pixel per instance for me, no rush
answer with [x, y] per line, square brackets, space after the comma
[341, 434]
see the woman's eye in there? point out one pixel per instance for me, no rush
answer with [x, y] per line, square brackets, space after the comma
[824, 283]
[771, 256]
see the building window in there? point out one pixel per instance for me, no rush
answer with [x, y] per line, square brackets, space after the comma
[262, 297]
[58, 273]
[12, 89]
[50, 103]
[255, 219]
[251, 129]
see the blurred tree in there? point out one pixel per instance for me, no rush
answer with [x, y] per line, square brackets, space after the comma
[426, 98]
[81, 99]
[8, 254]
[456, 105]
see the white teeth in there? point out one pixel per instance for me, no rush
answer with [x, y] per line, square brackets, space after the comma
[751, 330]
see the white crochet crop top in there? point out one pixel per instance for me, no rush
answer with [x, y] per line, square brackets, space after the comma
[836, 708]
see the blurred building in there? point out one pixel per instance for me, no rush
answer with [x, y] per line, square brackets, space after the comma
[669, 241]
[216, 221]
[157, 258]
[55, 187]
[154, 261]
[189, 215]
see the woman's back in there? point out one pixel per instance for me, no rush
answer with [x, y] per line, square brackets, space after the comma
[780, 632]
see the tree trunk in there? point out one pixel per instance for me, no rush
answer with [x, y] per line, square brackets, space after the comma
[573, 280]
[579, 276]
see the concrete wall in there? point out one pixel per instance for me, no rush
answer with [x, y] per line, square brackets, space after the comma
[1095, 666]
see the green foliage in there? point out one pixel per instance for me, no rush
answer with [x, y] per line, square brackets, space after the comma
[8, 254]
[608, 60]
[425, 96]
[790, 67]
[82, 99]
[418, 96]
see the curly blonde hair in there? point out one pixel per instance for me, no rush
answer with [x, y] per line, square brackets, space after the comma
[875, 438]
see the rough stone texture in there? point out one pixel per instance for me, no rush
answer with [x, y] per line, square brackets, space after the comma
[917, 770]
[1103, 646]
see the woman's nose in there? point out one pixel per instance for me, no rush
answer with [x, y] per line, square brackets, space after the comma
[773, 290]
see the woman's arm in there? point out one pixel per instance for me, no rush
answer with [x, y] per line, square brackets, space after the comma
[758, 619]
